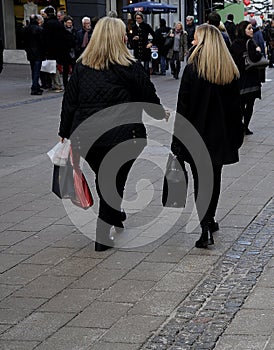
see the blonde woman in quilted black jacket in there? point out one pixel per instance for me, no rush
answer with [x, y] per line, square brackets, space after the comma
[97, 116]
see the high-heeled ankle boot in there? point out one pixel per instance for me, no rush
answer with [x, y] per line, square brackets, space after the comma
[99, 247]
[206, 238]
[213, 226]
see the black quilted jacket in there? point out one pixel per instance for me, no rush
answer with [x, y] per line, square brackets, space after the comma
[89, 99]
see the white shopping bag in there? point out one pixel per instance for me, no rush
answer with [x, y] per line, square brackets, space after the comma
[59, 153]
[48, 66]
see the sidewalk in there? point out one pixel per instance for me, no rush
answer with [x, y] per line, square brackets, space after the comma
[57, 293]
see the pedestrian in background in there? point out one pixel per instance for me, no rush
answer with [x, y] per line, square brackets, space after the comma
[250, 80]
[107, 75]
[55, 45]
[160, 36]
[190, 29]
[34, 46]
[215, 19]
[142, 40]
[178, 51]
[270, 43]
[70, 56]
[209, 99]
[83, 36]
[230, 27]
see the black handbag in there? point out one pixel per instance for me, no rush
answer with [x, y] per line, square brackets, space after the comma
[168, 43]
[261, 64]
[175, 183]
[62, 181]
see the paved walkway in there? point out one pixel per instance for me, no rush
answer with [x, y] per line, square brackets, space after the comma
[57, 293]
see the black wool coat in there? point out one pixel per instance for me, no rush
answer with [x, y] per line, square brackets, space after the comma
[34, 44]
[89, 99]
[56, 40]
[215, 112]
[139, 46]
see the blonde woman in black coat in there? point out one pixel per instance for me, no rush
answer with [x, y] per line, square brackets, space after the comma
[209, 99]
[97, 116]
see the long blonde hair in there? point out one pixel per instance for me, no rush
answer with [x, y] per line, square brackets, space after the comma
[107, 45]
[211, 57]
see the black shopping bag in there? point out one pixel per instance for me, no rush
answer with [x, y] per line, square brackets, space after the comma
[62, 181]
[175, 183]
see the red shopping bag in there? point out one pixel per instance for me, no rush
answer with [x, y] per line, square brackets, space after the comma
[83, 197]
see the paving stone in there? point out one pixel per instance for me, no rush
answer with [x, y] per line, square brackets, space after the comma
[74, 266]
[127, 291]
[50, 256]
[70, 300]
[11, 237]
[71, 338]
[73, 241]
[123, 260]
[21, 303]
[34, 223]
[262, 324]
[6, 290]
[37, 327]
[44, 287]
[22, 274]
[100, 314]
[110, 346]
[3, 328]
[132, 329]
[12, 316]
[178, 282]
[28, 246]
[17, 345]
[168, 254]
[99, 278]
[7, 261]
[157, 303]
[149, 271]
[243, 342]
[262, 298]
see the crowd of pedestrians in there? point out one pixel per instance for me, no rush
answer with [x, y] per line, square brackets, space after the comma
[52, 36]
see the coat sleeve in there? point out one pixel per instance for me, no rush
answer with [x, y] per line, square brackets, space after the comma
[69, 105]
[184, 93]
[143, 90]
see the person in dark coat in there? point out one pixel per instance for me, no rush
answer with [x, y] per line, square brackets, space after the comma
[96, 116]
[83, 36]
[190, 29]
[160, 36]
[142, 40]
[230, 27]
[209, 99]
[215, 19]
[250, 80]
[56, 44]
[34, 46]
[70, 57]
[270, 43]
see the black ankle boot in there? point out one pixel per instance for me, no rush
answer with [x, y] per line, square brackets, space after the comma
[101, 247]
[206, 238]
[213, 226]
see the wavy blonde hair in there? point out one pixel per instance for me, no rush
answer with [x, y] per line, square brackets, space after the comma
[107, 45]
[211, 57]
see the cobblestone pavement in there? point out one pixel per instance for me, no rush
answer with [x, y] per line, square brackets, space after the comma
[56, 293]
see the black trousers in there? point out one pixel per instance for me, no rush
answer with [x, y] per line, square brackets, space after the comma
[110, 205]
[211, 210]
[247, 105]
